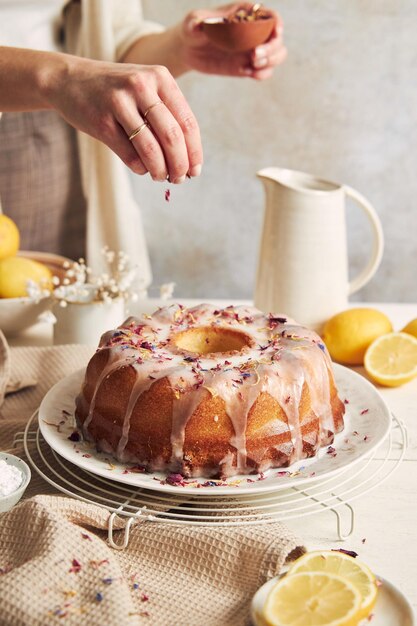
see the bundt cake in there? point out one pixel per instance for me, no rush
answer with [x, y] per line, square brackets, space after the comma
[210, 392]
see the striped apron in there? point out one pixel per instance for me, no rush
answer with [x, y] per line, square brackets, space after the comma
[40, 182]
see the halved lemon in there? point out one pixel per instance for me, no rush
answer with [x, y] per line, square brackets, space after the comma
[312, 598]
[391, 360]
[334, 562]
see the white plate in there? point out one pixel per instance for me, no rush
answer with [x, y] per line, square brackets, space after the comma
[391, 609]
[367, 423]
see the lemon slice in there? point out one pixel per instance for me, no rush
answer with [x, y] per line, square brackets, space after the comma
[312, 598]
[391, 360]
[343, 565]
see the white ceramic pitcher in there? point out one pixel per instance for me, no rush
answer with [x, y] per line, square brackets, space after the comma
[303, 262]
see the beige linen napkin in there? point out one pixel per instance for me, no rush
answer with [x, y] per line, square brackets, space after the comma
[10, 383]
[56, 566]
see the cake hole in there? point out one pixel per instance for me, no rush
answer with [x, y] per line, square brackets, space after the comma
[207, 340]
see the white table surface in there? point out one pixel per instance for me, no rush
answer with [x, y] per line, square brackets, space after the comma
[386, 517]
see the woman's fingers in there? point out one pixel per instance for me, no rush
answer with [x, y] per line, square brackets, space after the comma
[162, 128]
[169, 135]
[272, 52]
[264, 66]
[180, 110]
[143, 141]
[117, 140]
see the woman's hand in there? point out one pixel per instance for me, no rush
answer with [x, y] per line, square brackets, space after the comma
[110, 101]
[202, 55]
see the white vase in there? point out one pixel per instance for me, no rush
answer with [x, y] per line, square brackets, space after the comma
[85, 322]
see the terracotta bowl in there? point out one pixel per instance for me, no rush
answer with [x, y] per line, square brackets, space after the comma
[16, 314]
[239, 36]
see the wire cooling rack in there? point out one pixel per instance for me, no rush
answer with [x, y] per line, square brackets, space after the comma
[334, 493]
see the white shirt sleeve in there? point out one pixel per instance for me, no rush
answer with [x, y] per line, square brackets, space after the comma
[129, 25]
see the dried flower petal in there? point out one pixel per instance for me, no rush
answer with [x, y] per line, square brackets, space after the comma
[348, 552]
[177, 480]
[75, 566]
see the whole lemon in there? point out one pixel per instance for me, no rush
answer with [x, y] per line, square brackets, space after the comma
[16, 271]
[411, 328]
[348, 334]
[9, 237]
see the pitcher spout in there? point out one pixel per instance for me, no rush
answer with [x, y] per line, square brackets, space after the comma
[297, 181]
[274, 174]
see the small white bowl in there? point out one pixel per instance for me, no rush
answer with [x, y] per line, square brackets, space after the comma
[7, 502]
[16, 314]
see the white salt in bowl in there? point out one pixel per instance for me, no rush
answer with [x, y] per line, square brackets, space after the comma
[7, 502]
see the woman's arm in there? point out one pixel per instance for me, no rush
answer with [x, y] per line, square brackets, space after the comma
[185, 47]
[165, 48]
[22, 77]
[109, 101]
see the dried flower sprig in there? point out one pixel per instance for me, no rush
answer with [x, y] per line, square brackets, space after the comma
[37, 291]
[81, 285]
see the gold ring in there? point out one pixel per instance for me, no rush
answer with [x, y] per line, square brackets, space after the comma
[155, 104]
[137, 130]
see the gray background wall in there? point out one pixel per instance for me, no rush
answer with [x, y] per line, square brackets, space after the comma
[343, 106]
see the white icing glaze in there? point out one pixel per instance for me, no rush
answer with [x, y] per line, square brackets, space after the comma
[281, 357]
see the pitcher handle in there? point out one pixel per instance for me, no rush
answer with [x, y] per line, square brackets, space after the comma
[378, 241]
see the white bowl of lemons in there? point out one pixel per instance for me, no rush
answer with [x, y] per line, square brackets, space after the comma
[18, 310]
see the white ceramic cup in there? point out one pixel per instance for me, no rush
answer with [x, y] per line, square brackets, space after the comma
[303, 259]
[85, 322]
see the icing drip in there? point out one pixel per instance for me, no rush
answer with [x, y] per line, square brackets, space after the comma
[237, 409]
[184, 405]
[142, 384]
[285, 385]
[238, 406]
[111, 365]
